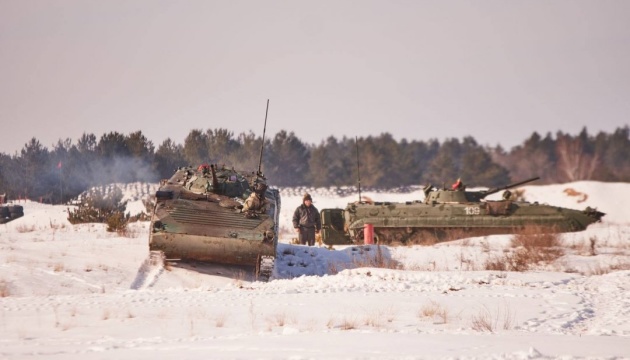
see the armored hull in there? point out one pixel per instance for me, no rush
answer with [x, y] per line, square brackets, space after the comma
[448, 214]
[10, 212]
[197, 216]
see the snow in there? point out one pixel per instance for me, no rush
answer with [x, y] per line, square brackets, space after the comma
[80, 292]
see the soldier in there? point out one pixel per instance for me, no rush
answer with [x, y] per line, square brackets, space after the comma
[306, 221]
[256, 202]
[458, 185]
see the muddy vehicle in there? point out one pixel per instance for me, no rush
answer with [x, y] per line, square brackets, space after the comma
[199, 216]
[10, 212]
[217, 215]
[448, 214]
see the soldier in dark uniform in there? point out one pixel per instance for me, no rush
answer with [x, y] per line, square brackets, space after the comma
[306, 221]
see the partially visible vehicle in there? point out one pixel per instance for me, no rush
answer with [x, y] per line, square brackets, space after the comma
[10, 212]
[446, 214]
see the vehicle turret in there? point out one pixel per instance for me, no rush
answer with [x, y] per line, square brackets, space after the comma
[433, 196]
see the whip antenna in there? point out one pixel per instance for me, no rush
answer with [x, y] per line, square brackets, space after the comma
[358, 168]
[259, 173]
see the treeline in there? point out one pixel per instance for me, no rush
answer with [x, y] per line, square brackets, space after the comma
[69, 168]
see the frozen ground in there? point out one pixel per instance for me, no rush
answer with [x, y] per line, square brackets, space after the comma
[79, 292]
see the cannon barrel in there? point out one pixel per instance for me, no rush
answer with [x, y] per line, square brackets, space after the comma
[496, 190]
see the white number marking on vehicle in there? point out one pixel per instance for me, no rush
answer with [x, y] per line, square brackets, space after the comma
[472, 210]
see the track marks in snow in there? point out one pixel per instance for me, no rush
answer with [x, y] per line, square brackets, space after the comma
[149, 271]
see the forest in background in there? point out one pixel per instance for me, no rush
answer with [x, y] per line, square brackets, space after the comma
[69, 168]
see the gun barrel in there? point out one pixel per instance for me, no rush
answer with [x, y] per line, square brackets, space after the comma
[496, 190]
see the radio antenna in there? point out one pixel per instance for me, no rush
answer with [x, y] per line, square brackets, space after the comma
[358, 168]
[259, 173]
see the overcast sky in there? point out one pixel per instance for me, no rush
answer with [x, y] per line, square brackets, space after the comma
[494, 70]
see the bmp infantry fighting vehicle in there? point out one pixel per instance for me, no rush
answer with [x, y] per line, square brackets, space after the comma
[447, 214]
[10, 212]
[199, 216]
[217, 215]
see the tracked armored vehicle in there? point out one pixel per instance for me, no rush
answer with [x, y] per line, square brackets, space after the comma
[217, 215]
[10, 212]
[447, 214]
[199, 216]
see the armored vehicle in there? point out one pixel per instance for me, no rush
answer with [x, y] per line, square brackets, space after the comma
[199, 216]
[10, 212]
[217, 215]
[447, 214]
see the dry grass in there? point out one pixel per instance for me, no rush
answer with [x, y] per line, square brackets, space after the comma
[128, 232]
[603, 270]
[465, 263]
[434, 310]
[535, 237]
[191, 331]
[375, 261]
[432, 237]
[279, 319]
[485, 246]
[219, 320]
[330, 323]
[58, 267]
[348, 323]
[429, 310]
[379, 318]
[56, 226]
[25, 228]
[485, 320]
[593, 241]
[584, 249]
[374, 320]
[334, 268]
[252, 314]
[531, 247]
[4, 289]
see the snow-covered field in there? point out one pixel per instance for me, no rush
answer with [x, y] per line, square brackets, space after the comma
[79, 292]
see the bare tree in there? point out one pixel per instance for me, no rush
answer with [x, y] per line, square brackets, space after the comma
[574, 161]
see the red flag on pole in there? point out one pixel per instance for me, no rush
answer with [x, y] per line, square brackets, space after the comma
[59, 165]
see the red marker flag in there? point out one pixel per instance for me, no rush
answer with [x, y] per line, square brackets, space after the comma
[59, 165]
